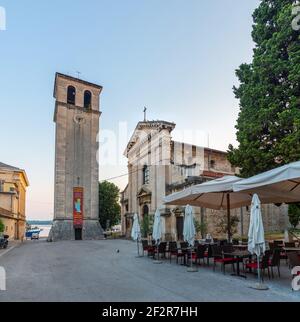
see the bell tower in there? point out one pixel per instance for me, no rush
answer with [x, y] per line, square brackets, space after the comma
[76, 205]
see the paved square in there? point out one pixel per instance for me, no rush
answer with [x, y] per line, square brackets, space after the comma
[95, 271]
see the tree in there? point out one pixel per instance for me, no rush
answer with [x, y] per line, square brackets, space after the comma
[222, 224]
[109, 207]
[268, 126]
[294, 214]
[28, 226]
[2, 226]
[201, 227]
[145, 227]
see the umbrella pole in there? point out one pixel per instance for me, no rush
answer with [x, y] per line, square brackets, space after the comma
[157, 261]
[260, 285]
[138, 249]
[191, 268]
[228, 218]
[258, 270]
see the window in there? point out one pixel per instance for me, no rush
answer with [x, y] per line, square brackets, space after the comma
[146, 174]
[87, 99]
[212, 163]
[71, 95]
[189, 172]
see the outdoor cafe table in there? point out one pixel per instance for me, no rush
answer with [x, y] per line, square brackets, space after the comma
[291, 249]
[239, 255]
[187, 251]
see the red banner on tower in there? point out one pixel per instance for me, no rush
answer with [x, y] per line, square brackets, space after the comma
[78, 207]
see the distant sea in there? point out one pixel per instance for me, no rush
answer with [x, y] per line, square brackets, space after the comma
[45, 229]
[44, 226]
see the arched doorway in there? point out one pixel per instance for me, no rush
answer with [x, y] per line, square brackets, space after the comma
[145, 210]
[179, 227]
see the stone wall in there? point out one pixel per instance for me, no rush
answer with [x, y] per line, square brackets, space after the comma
[273, 219]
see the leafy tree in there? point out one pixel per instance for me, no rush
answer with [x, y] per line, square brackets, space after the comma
[268, 126]
[201, 227]
[145, 227]
[294, 214]
[222, 224]
[28, 226]
[2, 226]
[109, 207]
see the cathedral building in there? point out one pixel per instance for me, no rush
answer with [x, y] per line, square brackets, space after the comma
[159, 166]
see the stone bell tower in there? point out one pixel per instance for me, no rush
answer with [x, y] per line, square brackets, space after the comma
[76, 205]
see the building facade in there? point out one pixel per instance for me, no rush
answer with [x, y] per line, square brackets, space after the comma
[76, 196]
[159, 166]
[13, 185]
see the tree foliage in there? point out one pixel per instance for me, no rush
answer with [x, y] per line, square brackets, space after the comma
[222, 224]
[109, 207]
[2, 226]
[294, 214]
[145, 226]
[201, 227]
[268, 126]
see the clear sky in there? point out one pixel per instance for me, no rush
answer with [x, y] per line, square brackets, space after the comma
[176, 57]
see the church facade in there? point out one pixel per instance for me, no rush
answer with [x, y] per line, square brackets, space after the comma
[158, 166]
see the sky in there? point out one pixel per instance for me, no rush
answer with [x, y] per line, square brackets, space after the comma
[177, 58]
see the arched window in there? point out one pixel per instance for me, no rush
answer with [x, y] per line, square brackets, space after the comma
[87, 99]
[71, 95]
[146, 175]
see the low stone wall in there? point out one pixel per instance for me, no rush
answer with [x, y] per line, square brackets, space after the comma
[274, 219]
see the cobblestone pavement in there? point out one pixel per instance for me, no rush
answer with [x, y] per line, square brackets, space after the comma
[95, 271]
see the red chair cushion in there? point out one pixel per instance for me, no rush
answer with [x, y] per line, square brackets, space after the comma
[252, 265]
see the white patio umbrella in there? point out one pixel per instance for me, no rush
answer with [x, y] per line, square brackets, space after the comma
[215, 194]
[256, 237]
[189, 232]
[156, 234]
[136, 231]
[280, 185]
